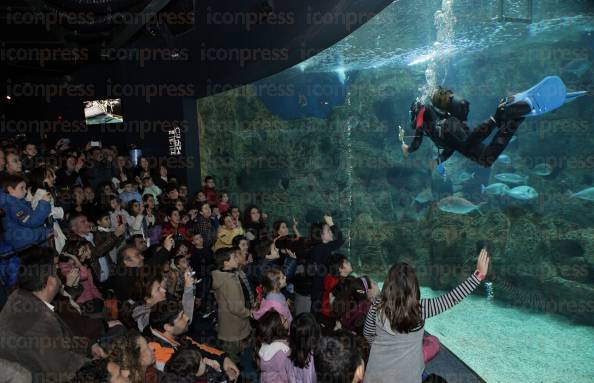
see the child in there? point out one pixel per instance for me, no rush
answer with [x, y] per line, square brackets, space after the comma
[175, 278]
[215, 218]
[304, 337]
[150, 188]
[325, 238]
[224, 203]
[269, 257]
[137, 223]
[338, 359]
[352, 298]
[22, 225]
[129, 193]
[339, 267]
[103, 234]
[273, 282]
[226, 233]
[188, 365]
[75, 255]
[273, 352]
[117, 215]
[209, 190]
[233, 316]
[395, 323]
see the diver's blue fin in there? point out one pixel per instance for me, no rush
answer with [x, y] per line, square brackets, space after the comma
[573, 95]
[546, 96]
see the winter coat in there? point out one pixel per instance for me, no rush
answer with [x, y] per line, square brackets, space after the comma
[225, 237]
[23, 225]
[233, 316]
[274, 362]
[25, 320]
[277, 302]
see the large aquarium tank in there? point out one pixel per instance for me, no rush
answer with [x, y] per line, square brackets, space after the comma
[324, 137]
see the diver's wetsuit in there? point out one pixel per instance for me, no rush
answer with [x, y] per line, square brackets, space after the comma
[450, 135]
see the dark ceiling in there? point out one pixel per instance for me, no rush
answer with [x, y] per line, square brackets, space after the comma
[203, 43]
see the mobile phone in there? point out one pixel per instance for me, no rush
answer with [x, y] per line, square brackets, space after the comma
[120, 220]
[95, 144]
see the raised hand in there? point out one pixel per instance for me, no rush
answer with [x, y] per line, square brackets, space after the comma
[483, 262]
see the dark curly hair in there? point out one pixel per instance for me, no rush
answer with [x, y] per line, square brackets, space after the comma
[337, 357]
[124, 351]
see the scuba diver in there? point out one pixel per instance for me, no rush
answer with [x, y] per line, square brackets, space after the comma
[443, 120]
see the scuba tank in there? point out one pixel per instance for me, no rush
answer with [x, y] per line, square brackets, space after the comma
[449, 102]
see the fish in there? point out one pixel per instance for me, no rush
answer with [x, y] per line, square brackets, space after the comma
[577, 67]
[456, 205]
[504, 159]
[462, 177]
[586, 194]
[524, 193]
[423, 197]
[511, 178]
[543, 170]
[495, 189]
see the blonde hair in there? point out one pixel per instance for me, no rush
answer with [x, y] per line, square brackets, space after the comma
[271, 282]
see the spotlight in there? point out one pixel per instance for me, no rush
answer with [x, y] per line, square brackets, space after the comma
[8, 97]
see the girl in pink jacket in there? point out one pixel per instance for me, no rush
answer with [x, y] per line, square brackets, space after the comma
[273, 281]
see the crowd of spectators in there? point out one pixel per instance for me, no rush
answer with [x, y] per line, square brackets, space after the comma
[113, 272]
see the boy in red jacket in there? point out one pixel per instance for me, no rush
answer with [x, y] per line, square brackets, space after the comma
[339, 267]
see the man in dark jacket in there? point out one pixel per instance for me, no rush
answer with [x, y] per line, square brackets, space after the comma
[98, 170]
[31, 334]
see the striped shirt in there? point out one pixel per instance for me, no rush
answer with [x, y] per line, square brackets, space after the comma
[429, 307]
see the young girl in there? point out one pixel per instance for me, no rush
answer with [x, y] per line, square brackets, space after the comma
[273, 351]
[117, 215]
[273, 282]
[255, 227]
[224, 203]
[75, 255]
[325, 239]
[352, 299]
[137, 223]
[305, 335]
[395, 323]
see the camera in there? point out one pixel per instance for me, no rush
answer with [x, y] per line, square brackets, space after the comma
[177, 237]
[285, 243]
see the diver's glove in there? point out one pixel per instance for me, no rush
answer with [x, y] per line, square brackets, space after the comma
[500, 113]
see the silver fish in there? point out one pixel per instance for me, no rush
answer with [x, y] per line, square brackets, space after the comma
[456, 205]
[524, 193]
[424, 197]
[586, 194]
[497, 188]
[511, 178]
[543, 170]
